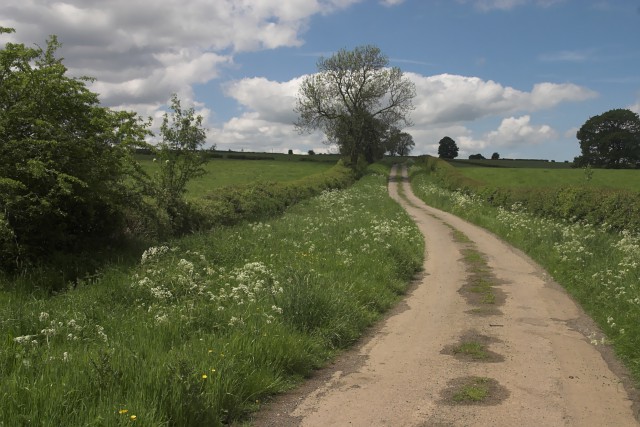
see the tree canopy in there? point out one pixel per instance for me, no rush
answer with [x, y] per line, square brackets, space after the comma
[355, 98]
[64, 174]
[447, 148]
[398, 143]
[610, 140]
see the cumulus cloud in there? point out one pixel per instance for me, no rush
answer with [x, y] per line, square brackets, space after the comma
[635, 107]
[445, 105]
[141, 51]
[447, 98]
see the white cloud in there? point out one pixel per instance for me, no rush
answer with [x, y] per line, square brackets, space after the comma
[141, 51]
[635, 107]
[515, 131]
[445, 105]
[448, 98]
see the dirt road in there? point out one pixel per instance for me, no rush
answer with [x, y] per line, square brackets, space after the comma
[484, 338]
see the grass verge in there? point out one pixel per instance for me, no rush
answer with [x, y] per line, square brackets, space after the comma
[206, 326]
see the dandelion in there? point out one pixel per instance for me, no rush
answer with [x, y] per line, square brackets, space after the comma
[133, 417]
[123, 411]
[204, 376]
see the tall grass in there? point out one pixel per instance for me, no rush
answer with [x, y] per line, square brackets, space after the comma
[599, 267]
[205, 327]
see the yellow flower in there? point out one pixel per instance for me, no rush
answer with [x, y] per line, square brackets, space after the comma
[210, 351]
[133, 417]
[123, 411]
[204, 376]
[213, 370]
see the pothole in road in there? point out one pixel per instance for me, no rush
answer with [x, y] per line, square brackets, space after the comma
[480, 391]
[473, 347]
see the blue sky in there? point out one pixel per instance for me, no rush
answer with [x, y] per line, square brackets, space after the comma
[517, 77]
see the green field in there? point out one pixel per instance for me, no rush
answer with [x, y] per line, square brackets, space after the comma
[224, 172]
[628, 179]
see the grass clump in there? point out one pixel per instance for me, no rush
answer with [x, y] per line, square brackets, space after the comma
[474, 390]
[472, 349]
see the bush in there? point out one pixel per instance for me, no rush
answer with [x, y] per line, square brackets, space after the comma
[65, 162]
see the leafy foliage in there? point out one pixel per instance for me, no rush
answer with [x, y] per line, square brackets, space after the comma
[180, 159]
[64, 159]
[398, 143]
[610, 140]
[354, 99]
[447, 148]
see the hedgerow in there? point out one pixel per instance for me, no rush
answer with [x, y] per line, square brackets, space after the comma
[616, 208]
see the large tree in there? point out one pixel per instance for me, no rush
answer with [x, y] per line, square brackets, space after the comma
[447, 148]
[610, 140]
[354, 98]
[64, 171]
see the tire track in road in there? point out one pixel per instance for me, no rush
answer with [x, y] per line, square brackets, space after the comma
[546, 371]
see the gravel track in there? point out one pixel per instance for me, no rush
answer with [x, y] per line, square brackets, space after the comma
[541, 368]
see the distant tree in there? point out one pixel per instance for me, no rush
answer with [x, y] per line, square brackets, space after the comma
[290, 152]
[354, 99]
[476, 157]
[311, 153]
[447, 148]
[610, 140]
[495, 156]
[397, 142]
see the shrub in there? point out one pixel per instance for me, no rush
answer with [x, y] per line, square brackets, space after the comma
[65, 161]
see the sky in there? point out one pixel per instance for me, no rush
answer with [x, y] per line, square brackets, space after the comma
[516, 77]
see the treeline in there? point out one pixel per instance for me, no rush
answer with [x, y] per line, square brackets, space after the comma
[616, 208]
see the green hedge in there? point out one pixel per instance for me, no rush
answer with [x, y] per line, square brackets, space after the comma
[619, 209]
[230, 205]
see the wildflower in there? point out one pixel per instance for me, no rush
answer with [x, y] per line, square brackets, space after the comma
[204, 376]
[133, 417]
[123, 411]
[43, 316]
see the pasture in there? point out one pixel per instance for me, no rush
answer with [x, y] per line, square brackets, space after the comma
[228, 172]
[628, 179]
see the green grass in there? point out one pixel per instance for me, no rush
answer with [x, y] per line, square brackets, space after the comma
[223, 173]
[509, 163]
[535, 178]
[473, 349]
[203, 328]
[474, 390]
